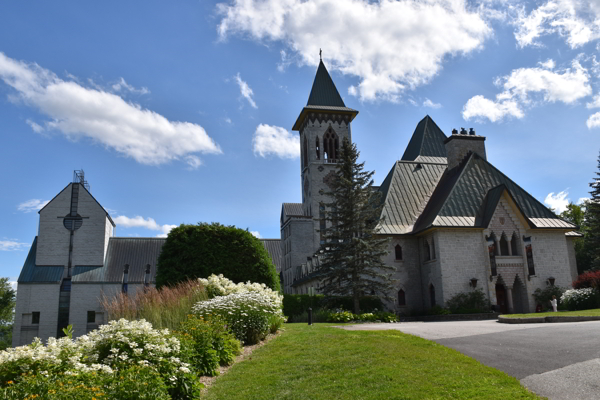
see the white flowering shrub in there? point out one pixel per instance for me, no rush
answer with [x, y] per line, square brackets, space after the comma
[218, 285]
[113, 347]
[581, 299]
[249, 315]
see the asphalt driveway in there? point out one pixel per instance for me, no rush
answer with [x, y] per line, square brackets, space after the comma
[556, 360]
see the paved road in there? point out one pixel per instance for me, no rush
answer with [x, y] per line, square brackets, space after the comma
[558, 360]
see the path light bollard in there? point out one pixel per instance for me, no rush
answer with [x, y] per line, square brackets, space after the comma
[309, 316]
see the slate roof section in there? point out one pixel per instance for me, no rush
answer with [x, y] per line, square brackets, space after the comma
[405, 193]
[137, 252]
[427, 140]
[31, 273]
[466, 195]
[273, 246]
[293, 209]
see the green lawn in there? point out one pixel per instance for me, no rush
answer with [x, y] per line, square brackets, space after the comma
[583, 313]
[322, 362]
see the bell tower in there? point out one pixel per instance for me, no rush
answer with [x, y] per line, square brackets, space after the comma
[323, 124]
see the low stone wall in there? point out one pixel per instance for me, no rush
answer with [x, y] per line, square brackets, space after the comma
[537, 320]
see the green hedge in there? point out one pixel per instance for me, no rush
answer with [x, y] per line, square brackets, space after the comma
[296, 304]
[197, 251]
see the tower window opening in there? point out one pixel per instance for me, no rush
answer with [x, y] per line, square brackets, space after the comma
[318, 149]
[503, 245]
[330, 145]
[514, 245]
[401, 298]
[398, 251]
[305, 152]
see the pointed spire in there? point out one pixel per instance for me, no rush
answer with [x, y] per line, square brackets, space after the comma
[427, 140]
[324, 92]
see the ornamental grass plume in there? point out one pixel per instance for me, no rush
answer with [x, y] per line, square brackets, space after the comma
[166, 307]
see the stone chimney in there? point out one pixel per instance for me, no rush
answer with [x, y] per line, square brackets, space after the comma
[458, 146]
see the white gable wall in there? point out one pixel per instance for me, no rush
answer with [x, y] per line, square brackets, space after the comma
[53, 238]
[90, 241]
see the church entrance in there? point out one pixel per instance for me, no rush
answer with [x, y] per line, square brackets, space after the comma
[501, 299]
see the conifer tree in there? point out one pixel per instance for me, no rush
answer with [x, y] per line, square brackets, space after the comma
[592, 235]
[351, 256]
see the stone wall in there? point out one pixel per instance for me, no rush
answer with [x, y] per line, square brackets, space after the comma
[42, 298]
[459, 146]
[89, 241]
[407, 276]
[431, 272]
[53, 237]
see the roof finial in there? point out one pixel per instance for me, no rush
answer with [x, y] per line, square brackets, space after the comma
[320, 52]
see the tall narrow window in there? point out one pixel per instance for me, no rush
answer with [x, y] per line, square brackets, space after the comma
[401, 298]
[305, 153]
[318, 149]
[427, 250]
[432, 294]
[330, 145]
[147, 276]
[432, 249]
[125, 278]
[35, 317]
[503, 245]
[514, 244]
[529, 253]
[322, 223]
[398, 251]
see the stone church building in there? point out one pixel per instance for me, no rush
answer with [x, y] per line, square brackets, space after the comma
[455, 222]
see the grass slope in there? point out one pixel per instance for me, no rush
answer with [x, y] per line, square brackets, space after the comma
[322, 362]
[582, 313]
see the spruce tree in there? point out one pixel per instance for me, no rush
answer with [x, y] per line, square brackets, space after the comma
[592, 234]
[351, 262]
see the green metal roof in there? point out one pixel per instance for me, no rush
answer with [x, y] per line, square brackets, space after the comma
[324, 92]
[405, 192]
[426, 141]
[467, 195]
[32, 273]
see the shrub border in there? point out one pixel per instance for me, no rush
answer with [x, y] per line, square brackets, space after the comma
[537, 320]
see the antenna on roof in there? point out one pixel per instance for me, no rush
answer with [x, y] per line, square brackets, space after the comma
[79, 177]
[320, 54]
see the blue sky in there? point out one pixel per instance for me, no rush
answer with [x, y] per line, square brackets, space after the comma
[181, 112]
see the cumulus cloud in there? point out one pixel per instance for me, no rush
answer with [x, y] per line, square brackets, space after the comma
[558, 201]
[593, 121]
[140, 222]
[245, 90]
[526, 86]
[82, 112]
[389, 45]
[11, 245]
[256, 234]
[275, 140]
[32, 205]
[431, 104]
[577, 21]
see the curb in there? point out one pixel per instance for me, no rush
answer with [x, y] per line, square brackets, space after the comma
[537, 320]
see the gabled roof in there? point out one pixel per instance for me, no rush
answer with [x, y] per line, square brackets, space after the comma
[467, 195]
[137, 252]
[324, 97]
[81, 186]
[324, 92]
[273, 246]
[405, 192]
[426, 141]
[31, 273]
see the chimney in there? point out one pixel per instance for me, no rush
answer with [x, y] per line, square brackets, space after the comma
[459, 145]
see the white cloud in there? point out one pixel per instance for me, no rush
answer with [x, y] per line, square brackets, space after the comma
[577, 21]
[548, 64]
[140, 222]
[82, 112]
[558, 201]
[595, 103]
[37, 128]
[256, 234]
[389, 45]
[245, 90]
[582, 200]
[32, 205]
[525, 86]
[431, 104]
[269, 139]
[122, 85]
[11, 245]
[593, 121]
[228, 120]
[193, 161]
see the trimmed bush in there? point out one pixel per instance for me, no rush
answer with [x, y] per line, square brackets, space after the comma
[295, 305]
[197, 251]
[581, 299]
[469, 303]
[587, 280]
[544, 296]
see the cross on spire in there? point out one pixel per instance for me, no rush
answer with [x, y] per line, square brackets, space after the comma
[320, 52]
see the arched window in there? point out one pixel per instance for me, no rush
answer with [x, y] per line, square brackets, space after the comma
[318, 149]
[398, 251]
[330, 145]
[503, 245]
[514, 244]
[432, 249]
[427, 250]
[432, 294]
[305, 153]
[401, 298]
